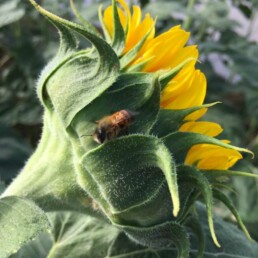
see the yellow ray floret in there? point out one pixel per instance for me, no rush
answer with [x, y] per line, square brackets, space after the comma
[187, 89]
[166, 51]
[207, 128]
[209, 156]
[163, 52]
[133, 25]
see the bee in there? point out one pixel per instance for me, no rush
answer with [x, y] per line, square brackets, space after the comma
[110, 127]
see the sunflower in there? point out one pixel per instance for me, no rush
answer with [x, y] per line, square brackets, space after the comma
[185, 90]
[137, 180]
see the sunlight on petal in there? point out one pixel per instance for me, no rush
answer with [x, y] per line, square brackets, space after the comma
[207, 128]
[208, 156]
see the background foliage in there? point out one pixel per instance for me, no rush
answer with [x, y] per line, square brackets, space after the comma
[229, 60]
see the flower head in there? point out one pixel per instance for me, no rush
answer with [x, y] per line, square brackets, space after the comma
[184, 90]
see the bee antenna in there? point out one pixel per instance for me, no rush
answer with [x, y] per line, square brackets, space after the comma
[86, 135]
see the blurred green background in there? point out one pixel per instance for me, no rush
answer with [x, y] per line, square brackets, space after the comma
[226, 33]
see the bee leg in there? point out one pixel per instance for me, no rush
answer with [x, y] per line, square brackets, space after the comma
[109, 136]
[124, 132]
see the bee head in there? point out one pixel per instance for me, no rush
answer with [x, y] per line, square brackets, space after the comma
[100, 135]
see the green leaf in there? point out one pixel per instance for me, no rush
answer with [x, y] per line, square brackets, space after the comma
[197, 179]
[136, 68]
[169, 121]
[87, 25]
[217, 174]
[119, 38]
[84, 82]
[233, 241]
[180, 142]
[48, 178]
[161, 236]
[127, 58]
[21, 221]
[86, 76]
[104, 28]
[188, 196]
[80, 236]
[142, 98]
[124, 247]
[10, 12]
[195, 225]
[107, 56]
[246, 200]
[77, 235]
[165, 77]
[224, 199]
[37, 248]
[131, 185]
[67, 48]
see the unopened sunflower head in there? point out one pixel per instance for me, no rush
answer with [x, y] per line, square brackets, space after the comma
[141, 178]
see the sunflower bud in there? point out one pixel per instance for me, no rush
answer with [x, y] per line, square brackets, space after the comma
[121, 131]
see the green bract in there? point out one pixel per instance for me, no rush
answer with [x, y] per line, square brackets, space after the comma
[137, 182]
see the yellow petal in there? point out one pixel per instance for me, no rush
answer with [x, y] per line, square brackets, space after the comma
[151, 46]
[207, 128]
[133, 25]
[164, 50]
[177, 86]
[209, 156]
[186, 89]
[108, 19]
[196, 114]
[136, 33]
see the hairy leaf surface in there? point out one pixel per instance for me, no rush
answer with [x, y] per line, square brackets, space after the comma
[20, 221]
